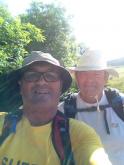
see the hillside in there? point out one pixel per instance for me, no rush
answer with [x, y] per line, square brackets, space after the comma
[116, 62]
[118, 82]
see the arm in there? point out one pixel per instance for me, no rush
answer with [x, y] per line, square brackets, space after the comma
[86, 145]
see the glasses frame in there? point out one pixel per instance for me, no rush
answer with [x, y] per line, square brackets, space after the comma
[40, 76]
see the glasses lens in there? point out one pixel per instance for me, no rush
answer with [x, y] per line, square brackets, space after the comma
[32, 76]
[51, 76]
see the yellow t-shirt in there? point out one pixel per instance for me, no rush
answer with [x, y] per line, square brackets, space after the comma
[33, 146]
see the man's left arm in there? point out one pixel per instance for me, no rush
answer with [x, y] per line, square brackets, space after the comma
[87, 145]
[99, 157]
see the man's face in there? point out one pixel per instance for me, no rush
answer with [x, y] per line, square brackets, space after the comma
[41, 84]
[91, 83]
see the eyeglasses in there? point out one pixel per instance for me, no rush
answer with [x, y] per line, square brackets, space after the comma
[36, 76]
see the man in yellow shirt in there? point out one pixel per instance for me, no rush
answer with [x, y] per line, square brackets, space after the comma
[27, 136]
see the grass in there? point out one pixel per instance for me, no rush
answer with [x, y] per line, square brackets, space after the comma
[118, 82]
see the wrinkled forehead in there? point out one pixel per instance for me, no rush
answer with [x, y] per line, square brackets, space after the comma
[91, 72]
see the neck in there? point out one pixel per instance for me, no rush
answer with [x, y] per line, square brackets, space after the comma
[39, 115]
[90, 99]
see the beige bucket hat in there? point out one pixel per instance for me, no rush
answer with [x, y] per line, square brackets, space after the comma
[38, 56]
[92, 60]
[10, 97]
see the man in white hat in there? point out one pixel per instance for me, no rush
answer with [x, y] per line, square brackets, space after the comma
[99, 107]
[39, 134]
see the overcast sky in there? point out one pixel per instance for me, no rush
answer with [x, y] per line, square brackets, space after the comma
[99, 24]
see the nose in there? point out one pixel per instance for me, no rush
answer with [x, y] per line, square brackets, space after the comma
[41, 80]
[90, 81]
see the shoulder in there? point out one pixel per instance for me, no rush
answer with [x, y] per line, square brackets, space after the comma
[122, 95]
[80, 130]
[2, 118]
[112, 92]
[86, 144]
[67, 99]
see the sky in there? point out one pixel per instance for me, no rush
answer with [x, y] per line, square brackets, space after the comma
[99, 24]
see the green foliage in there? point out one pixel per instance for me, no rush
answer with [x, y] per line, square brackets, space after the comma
[4, 13]
[53, 20]
[117, 83]
[14, 37]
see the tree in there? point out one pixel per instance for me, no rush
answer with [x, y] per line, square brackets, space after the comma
[52, 19]
[14, 37]
[4, 13]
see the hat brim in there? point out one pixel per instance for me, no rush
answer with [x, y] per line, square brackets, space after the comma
[110, 71]
[65, 75]
[10, 97]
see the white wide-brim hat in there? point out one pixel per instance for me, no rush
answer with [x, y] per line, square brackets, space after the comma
[92, 60]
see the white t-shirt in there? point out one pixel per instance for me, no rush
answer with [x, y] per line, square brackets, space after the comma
[113, 142]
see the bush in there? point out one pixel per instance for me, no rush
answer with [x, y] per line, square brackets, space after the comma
[117, 83]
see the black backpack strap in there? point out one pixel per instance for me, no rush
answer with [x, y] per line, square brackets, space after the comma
[115, 101]
[9, 126]
[70, 109]
[61, 139]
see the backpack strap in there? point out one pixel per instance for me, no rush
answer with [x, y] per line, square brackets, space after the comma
[60, 134]
[115, 101]
[9, 125]
[70, 108]
[61, 139]
[113, 97]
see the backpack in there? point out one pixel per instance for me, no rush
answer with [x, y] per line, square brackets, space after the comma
[114, 100]
[60, 134]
